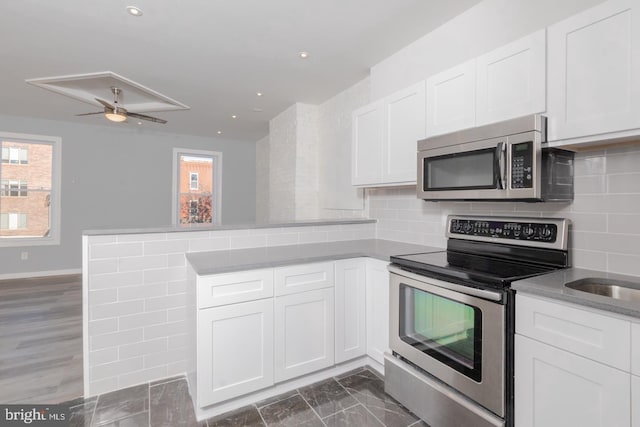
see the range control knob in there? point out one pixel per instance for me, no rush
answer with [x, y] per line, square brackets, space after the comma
[467, 227]
[528, 231]
[545, 232]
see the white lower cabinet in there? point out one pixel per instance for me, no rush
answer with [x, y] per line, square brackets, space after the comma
[377, 301]
[350, 309]
[234, 350]
[304, 333]
[556, 388]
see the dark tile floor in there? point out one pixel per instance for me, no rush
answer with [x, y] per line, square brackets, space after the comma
[354, 399]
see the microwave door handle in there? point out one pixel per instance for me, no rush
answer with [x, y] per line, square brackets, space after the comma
[500, 164]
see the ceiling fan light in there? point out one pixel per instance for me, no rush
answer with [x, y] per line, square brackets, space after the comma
[115, 116]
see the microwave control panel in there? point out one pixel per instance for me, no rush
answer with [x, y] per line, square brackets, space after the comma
[528, 231]
[522, 165]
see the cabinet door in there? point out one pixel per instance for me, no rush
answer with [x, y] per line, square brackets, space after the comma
[635, 401]
[377, 309]
[594, 69]
[557, 388]
[451, 99]
[351, 333]
[405, 121]
[304, 337]
[511, 80]
[366, 144]
[235, 350]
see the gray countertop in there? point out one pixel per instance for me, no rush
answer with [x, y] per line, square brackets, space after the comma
[247, 259]
[552, 286]
[209, 227]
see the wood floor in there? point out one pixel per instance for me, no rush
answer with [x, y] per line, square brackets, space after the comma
[41, 340]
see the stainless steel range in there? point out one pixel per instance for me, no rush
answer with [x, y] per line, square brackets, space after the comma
[452, 317]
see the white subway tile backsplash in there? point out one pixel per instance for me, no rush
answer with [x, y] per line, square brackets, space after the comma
[114, 250]
[165, 275]
[142, 348]
[106, 355]
[178, 287]
[148, 237]
[113, 369]
[176, 260]
[623, 163]
[593, 165]
[590, 184]
[104, 326]
[177, 341]
[116, 309]
[142, 262]
[282, 239]
[136, 321]
[103, 296]
[165, 358]
[313, 237]
[143, 376]
[161, 303]
[176, 314]
[211, 244]
[189, 235]
[624, 223]
[103, 386]
[141, 292]
[623, 263]
[115, 339]
[239, 242]
[166, 329]
[109, 265]
[115, 280]
[166, 247]
[624, 183]
[593, 260]
[177, 368]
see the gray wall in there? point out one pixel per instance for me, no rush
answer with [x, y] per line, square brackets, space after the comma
[119, 176]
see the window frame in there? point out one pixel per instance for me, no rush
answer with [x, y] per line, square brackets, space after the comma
[216, 202]
[55, 210]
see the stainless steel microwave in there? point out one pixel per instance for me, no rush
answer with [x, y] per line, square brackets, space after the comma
[501, 161]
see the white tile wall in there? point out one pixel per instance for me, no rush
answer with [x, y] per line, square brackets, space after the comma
[605, 213]
[138, 296]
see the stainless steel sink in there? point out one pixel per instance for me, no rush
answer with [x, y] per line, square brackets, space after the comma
[625, 291]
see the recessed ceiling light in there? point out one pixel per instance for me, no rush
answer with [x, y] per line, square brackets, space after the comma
[257, 110]
[139, 123]
[234, 116]
[219, 132]
[303, 54]
[258, 93]
[134, 11]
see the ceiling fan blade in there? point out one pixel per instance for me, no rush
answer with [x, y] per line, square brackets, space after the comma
[89, 114]
[105, 103]
[145, 117]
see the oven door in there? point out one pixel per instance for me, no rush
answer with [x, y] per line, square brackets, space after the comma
[457, 337]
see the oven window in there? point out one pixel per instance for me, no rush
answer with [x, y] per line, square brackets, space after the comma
[446, 330]
[469, 169]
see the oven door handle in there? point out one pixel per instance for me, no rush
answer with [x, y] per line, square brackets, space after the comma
[481, 293]
[500, 165]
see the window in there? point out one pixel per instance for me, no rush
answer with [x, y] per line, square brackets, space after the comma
[29, 190]
[15, 155]
[194, 181]
[13, 188]
[196, 186]
[13, 221]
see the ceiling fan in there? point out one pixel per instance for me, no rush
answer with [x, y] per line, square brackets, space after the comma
[117, 113]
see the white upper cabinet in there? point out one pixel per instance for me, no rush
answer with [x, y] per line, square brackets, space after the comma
[511, 80]
[451, 99]
[366, 144]
[505, 83]
[405, 124]
[594, 74]
[385, 137]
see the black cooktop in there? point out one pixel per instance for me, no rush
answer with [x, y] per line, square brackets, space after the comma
[473, 269]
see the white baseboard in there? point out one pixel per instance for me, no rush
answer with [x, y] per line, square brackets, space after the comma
[40, 274]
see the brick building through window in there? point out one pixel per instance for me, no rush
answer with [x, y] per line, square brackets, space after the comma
[26, 175]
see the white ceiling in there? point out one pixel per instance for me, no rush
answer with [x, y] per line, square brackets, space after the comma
[213, 55]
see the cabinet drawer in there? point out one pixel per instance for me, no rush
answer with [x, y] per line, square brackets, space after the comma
[301, 278]
[230, 288]
[635, 349]
[589, 334]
